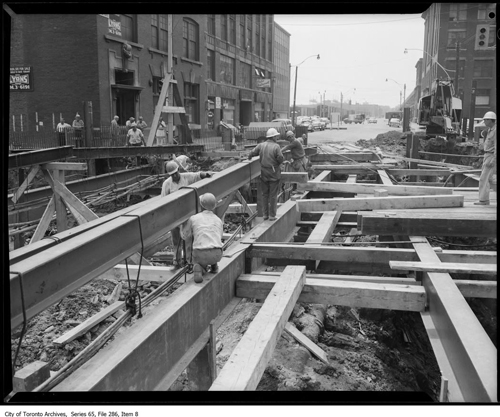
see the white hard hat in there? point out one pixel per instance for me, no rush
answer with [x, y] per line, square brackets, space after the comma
[271, 133]
[208, 201]
[490, 116]
[172, 167]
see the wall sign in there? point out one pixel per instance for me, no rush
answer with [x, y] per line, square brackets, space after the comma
[21, 79]
[217, 103]
[115, 25]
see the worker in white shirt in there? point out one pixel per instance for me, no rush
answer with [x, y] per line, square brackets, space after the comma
[183, 161]
[206, 230]
[171, 184]
[135, 137]
[61, 128]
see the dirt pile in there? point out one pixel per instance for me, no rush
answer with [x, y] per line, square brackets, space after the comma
[392, 142]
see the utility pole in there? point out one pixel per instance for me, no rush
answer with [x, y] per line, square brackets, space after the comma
[170, 116]
[472, 110]
[294, 95]
[457, 66]
[341, 98]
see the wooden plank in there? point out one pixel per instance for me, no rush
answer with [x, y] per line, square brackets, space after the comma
[421, 172]
[44, 222]
[380, 203]
[343, 156]
[61, 216]
[220, 154]
[340, 187]
[433, 163]
[66, 166]
[444, 267]
[353, 294]
[351, 179]
[361, 168]
[88, 324]
[477, 289]
[20, 191]
[464, 352]
[173, 109]
[307, 343]
[80, 219]
[167, 79]
[324, 228]
[355, 278]
[384, 177]
[249, 359]
[73, 200]
[427, 225]
[295, 177]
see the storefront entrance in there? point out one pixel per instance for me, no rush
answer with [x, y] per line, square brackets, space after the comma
[125, 104]
[245, 112]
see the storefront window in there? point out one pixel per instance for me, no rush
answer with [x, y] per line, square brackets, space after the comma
[245, 75]
[259, 112]
[226, 70]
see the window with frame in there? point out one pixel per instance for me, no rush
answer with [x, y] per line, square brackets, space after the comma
[482, 97]
[227, 68]
[223, 27]
[249, 33]
[451, 64]
[483, 68]
[211, 65]
[190, 39]
[159, 32]
[458, 11]
[128, 26]
[243, 44]
[492, 34]
[211, 24]
[232, 29]
[245, 75]
[191, 100]
[484, 11]
[455, 36]
[270, 40]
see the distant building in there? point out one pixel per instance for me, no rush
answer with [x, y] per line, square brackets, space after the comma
[281, 58]
[473, 26]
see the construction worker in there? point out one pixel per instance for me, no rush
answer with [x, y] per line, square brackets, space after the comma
[129, 122]
[184, 162]
[135, 136]
[488, 173]
[206, 230]
[175, 181]
[270, 174]
[299, 159]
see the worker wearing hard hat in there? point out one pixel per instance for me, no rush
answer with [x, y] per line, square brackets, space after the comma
[206, 229]
[271, 158]
[299, 159]
[488, 173]
[175, 181]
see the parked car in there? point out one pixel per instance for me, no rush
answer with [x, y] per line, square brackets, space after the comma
[308, 124]
[288, 122]
[394, 122]
[316, 124]
[325, 121]
[372, 120]
[347, 121]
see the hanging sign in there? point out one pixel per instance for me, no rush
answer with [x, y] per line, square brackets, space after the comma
[263, 83]
[217, 103]
[21, 79]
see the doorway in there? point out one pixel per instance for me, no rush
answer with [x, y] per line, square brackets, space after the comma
[245, 112]
[125, 104]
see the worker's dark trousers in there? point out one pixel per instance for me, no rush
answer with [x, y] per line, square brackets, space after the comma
[269, 197]
[177, 242]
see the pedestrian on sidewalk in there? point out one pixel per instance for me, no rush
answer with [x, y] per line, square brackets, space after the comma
[205, 229]
[135, 136]
[271, 157]
[141, 124]
[61, 129]
[488, 172]
[115, 131]
[170, 185]
[78, 128]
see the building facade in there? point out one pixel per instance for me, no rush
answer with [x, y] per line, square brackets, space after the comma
[281, 85]
[473, 27]
[222, 64]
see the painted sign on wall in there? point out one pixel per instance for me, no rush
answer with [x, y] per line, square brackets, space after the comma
[114, 25]
[21, 79]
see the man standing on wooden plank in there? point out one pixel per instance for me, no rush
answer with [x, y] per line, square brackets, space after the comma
[206, 229]
[171, 184]
[490, 158]
[299, 159]
[271, 158]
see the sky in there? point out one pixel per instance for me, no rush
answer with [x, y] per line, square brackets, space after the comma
[356, 52]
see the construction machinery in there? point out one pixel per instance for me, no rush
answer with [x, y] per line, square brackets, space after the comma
[440, 112]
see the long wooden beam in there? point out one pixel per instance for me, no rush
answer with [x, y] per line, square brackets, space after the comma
[341, 187]
[343, 157]
[160, 340]
[444, 267]
[464, 352]
[353, 294]
[477, 289]
[53, 273]
[427, 224]
[380, 203]
[249, 359]
[123, 151]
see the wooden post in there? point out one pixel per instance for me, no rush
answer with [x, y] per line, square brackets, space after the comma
[61, 216]
[21, 217]
[472, 111]
[213, 351]
[415, 143]
[89, 123]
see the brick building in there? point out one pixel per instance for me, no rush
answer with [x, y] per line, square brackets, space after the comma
[223, 65]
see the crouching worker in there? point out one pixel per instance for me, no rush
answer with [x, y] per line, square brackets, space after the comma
[206, 230]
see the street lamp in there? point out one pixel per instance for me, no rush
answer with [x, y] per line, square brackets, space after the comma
[404, 88]
[295, 89]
